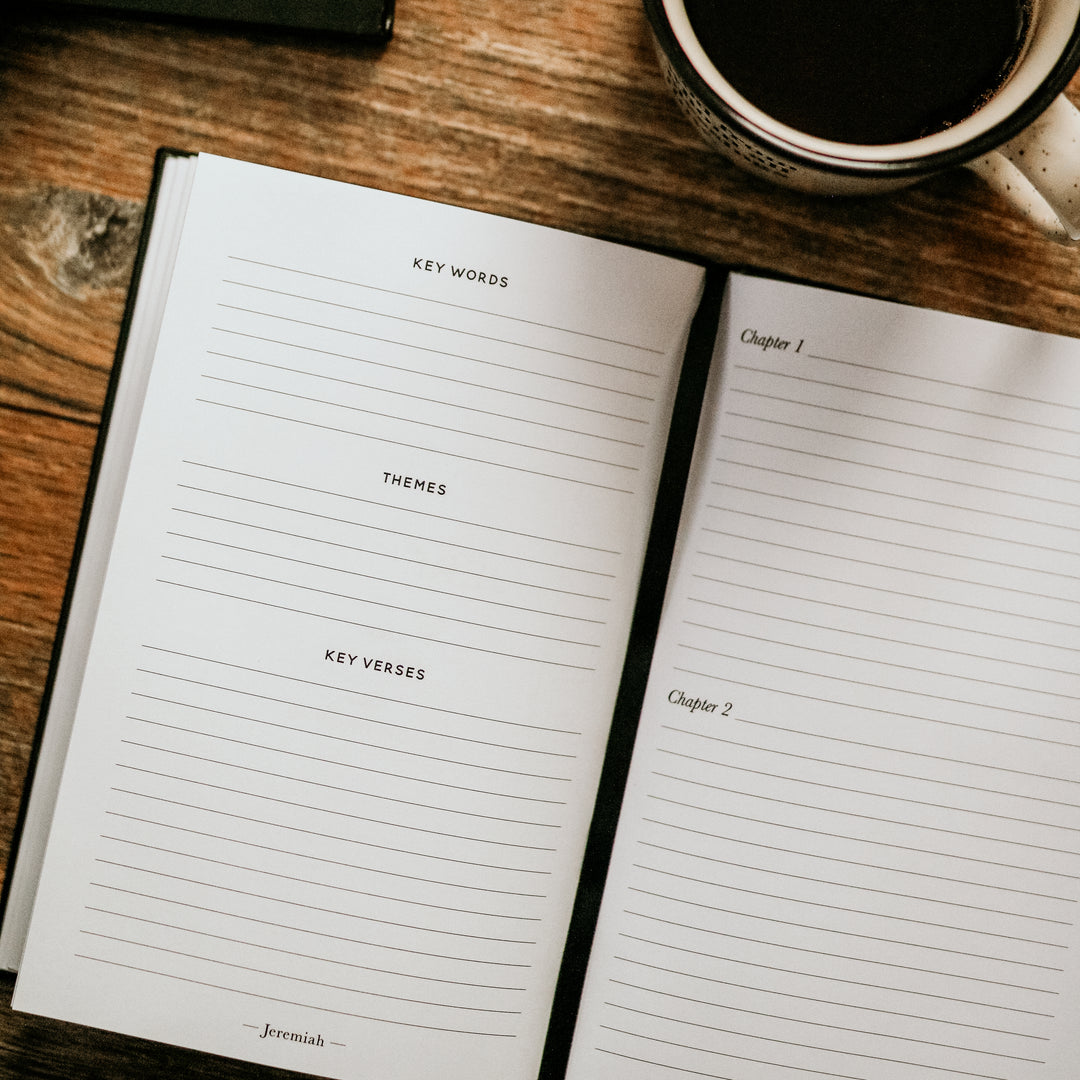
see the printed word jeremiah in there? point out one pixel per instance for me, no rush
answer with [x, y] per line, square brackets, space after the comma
[292, 1036]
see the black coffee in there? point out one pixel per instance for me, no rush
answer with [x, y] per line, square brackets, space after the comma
[863, 71]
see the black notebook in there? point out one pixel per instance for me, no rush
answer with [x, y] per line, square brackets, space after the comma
[368, 19]
[495, 650]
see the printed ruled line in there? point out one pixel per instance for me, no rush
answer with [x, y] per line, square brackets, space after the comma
[322, 935]
[361, 743]
[892, 520]
[982, 790]
[910, 848]
[909, 424]
[412, 347]
[330, 886]
[277, 675]
[336, 961]
[383, 580]
[967, 557]
[835, 654]
[880, 613]
[426, 539]
[864, 636]
[850, 886]
[350, 716]
[351, 915]
[351, 865]
[287, 1001]
[322, 835]
[795, 900]
[797, 1020]
[903, 799]
[841, 956]
[436, 326]
[456, 571]
[607, 414]
[902, 990]
[472, 790]
[1073, 781]
[860, 864]
[876, 938]
[951, 578]
[441, 402]
[807, 757]
[850, 680]
[897, 714]
[454, 430]
[401, 509]
[879, 468]
[772, 1040]
[412, 446]
[379, 604]
[819, 1000]
[920, 549]
[409, 777]
[932, 381]
[309, 782]
[447, 303]
[1027, 714]
[486, 841]
[297, 979]
[862, 391]
[322, 616]
[652, 1063]
[875, 819]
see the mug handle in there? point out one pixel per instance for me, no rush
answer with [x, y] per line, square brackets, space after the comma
[1038, 171]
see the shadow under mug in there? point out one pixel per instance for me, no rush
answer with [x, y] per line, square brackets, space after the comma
[1025, 141]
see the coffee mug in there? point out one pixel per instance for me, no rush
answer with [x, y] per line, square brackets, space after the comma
[792, 92]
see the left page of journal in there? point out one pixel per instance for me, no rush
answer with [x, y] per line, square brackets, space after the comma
[101, 507]
[361, 629]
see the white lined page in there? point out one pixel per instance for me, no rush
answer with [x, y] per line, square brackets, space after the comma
[364, 622]
[862, 857]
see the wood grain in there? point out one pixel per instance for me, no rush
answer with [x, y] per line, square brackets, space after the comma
[550, 111]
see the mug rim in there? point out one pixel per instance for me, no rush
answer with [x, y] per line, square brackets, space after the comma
[1040, 99]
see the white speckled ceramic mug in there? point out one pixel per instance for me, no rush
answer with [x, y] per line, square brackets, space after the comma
[1024, 140]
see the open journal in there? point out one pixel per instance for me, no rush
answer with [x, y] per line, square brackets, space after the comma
[366, 694]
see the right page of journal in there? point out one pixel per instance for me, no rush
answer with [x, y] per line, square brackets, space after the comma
[850, 842]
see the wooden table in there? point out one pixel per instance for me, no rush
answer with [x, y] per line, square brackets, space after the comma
[551, 111]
